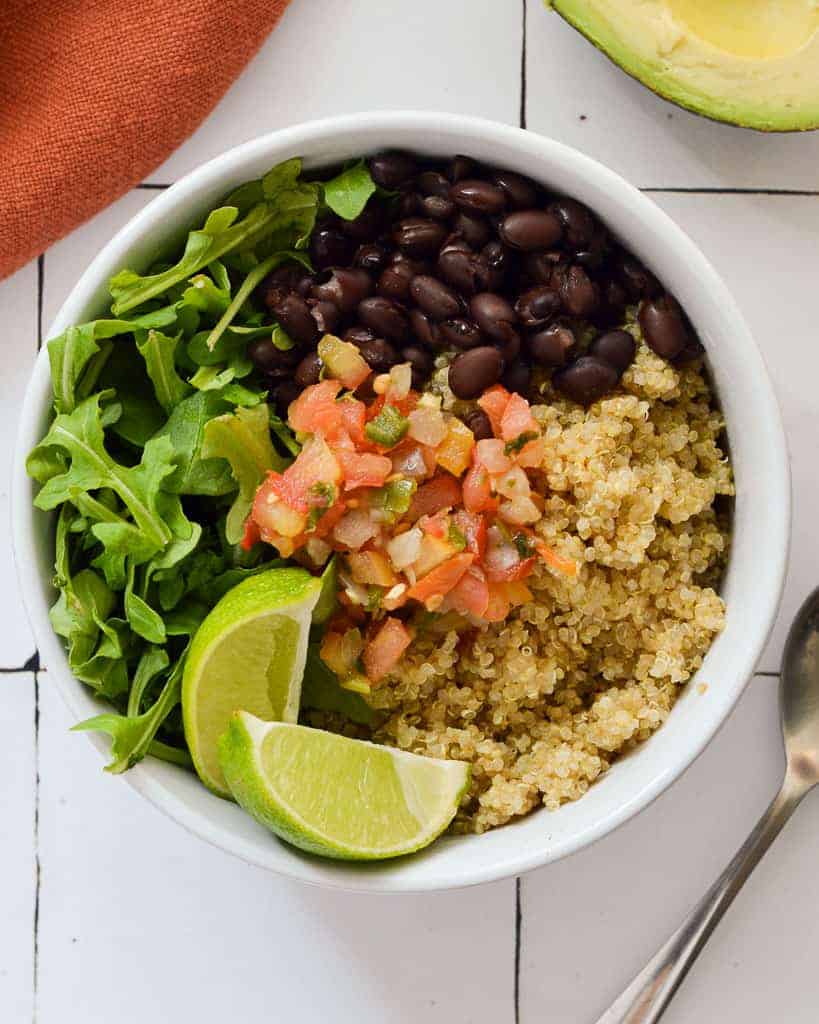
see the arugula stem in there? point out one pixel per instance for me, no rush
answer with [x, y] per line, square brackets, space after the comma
[247, 286]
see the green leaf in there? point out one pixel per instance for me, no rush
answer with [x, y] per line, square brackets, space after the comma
[152, 661]
[141, 415]
[80, 434]
[186, 430]
[281, 177]
[284, 434]
[326, 604]
[243, 438]
[348, 193]
[206, 296]
[158, 351]
[70, 353]
[144, 621]
[131, 737]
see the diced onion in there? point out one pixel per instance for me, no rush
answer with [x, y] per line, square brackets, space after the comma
[318, 550]
[412, 463]
[513, 484]
[400, 381]
[405, 548]
[427, 426]
[519, 510]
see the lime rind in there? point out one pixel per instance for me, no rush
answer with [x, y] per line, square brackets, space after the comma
[378, 801]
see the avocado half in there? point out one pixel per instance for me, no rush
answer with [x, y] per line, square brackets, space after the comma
[754, 63]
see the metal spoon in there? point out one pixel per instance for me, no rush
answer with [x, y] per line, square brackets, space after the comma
[646, 998]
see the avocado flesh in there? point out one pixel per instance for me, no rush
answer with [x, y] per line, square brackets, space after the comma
[753, 63]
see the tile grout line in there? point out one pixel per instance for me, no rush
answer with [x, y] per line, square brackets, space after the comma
[36, 949]
[518, 907]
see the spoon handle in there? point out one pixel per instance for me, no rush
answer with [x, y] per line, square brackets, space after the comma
[646, 998]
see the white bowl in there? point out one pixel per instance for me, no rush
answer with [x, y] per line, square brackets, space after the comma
[754, 577]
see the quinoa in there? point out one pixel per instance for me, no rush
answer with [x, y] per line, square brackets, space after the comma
[543, 703]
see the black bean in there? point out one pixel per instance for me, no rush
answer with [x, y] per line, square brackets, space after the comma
[616, 348]
[409, 204]
[433, 183]
[475, 230]
[268, 359]
[577, 221]
[693, 350]
[480, 424]
[367, 225]
[425, 331]
[372, 256]
[639, 282]
[436, 207]
[454, 243]
[509, 349]
[309, 370]
[365, 392]
[283, 394]
[385, 317]
[494, 315]
[539, 266]
[663, 327]
[586, 380]
[520, 192]
[461, 167]
[329, 247]
[461, 333]
[590, 259]
[343, 287]
[434, 297]
[495, 263]
[379, 354]
[394, 281]
[613, 303]
[478, 196]
[393, 169]
[419, 359]
[537, 306]
[358, 334]
[419, 236]
[293, 314]
[517, 377]
[472, 372]
[530, 229]
[326, 314]
[278, 282]
[579, 294]
[304, 284]
[552, 346]
[462, 269]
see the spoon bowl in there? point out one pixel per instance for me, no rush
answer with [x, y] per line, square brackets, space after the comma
[799, 694]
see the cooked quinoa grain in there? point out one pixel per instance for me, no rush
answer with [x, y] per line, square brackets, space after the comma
[544, 702]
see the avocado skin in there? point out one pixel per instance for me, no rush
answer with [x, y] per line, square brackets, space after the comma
[748, 121]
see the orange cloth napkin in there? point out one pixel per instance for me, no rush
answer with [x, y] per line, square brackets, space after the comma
[94, 94]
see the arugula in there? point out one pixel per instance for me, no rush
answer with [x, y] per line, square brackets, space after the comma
[348, 193]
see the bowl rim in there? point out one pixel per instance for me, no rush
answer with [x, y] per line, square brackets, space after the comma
[415, 124]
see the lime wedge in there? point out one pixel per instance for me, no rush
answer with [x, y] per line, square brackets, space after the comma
[248, 654]
[338, 797]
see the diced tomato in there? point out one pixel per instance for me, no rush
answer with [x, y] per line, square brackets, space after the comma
[477, 492]
[363, 469]
[303, 483]
[498, 606]
[532, 454]
[274, 517]
[413, 460]
[517, 419]
[252, 534]
[443, 491]
[567, 566]
[371, 568]
[383, 651]
[454, 452]
[434, 551]
[490, 454]
[340, 650]
[518, 593]
[403, 405]
[353, 417]
[473, 527]
[470, 595]
[329, 519]
[440, 580]
[316, 410]
[498, 573]
[494, 402]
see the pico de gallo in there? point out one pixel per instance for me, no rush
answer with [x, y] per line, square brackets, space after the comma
[419, 512]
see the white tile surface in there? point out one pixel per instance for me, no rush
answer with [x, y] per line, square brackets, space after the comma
[328, 58]
[142, 922]
[17, 847]
[591, 922]
[18, 323]
[577, 95]
[138, 915]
